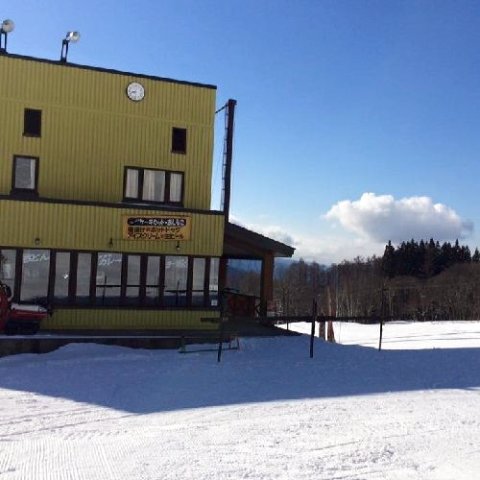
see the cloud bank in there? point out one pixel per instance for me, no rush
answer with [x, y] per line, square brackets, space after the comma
[380, 218]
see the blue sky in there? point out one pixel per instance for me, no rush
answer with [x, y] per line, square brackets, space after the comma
[357, 121]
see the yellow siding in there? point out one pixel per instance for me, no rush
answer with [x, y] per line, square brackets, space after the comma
[129, 319]
[91, 130]
[84, 227]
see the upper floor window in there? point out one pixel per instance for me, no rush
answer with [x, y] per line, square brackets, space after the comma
[179, 140]
[150, 185]
[25, 174]
[32, 122]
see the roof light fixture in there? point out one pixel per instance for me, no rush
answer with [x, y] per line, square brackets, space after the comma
[71, 37]
[6, 27]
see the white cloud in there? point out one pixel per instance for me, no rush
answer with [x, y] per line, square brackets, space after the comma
[326, 249]
[380, 218]
[272, 231]
[363, 227]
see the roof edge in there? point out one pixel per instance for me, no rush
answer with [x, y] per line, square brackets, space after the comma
[106, 70]
[278, 248]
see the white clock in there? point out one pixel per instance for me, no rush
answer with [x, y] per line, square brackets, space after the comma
[135, 91]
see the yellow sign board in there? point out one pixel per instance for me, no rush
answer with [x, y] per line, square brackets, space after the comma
[157, 227]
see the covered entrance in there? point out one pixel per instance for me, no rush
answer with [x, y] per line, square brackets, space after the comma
[243, 244]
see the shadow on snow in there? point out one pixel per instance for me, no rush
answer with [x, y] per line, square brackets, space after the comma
[263, 370]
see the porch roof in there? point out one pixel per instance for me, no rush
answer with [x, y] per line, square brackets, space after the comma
[240, 242]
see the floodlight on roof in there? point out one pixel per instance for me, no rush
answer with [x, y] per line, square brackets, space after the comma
[71, 37]
[6, 27]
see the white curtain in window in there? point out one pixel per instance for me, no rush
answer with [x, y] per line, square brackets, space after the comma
[131, 184]
[176, 181]
[153, 185]
[25, 173]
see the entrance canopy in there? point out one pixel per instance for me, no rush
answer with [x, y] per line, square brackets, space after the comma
[241, 243]
[246, 244]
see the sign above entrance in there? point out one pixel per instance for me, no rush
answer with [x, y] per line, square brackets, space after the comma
[157, 227]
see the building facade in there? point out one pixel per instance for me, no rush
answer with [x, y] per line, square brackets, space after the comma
[105, 181]
[105, 184]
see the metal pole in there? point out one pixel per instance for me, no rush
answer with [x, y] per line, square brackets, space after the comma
[312, 333]
[220, 340]
[382, 316]
[228, 157]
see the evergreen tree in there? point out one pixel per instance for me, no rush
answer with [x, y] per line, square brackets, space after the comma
[388, 261]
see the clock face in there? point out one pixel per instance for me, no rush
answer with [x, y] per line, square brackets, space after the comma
[135, 91]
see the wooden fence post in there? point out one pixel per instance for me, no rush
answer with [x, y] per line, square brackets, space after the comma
[312, 332]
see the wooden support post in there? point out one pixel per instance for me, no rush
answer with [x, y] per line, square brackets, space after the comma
[314, 320]
[266, 283]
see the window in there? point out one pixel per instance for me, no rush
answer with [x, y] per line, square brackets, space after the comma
[25, 174]
[62, 277]
[149, 185]
[109, 278]
[153, 185]
[7, 267]
[32, 123]
[198, 281]
[35, 275]
[179, 140]
[213, 281]
[132, 289]
[154, 288]
[176, 273]
[84, 269]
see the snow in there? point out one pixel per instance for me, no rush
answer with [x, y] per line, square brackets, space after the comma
[267, 411]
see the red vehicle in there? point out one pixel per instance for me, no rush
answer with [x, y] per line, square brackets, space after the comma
[19, 319]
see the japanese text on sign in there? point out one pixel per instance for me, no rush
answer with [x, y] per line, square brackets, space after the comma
[152, 227]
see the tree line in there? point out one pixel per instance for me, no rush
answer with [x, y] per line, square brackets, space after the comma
[422, 280]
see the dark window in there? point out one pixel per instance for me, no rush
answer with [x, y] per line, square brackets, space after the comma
[32, 122]
[179, 140]
[149, 185]
[25, 174]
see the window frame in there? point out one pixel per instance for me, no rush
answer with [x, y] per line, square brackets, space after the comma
[90, 300]
[182, 140]
[36, 121]
[139, 197]
[27, 191]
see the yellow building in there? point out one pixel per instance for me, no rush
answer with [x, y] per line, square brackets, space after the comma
[105, 184]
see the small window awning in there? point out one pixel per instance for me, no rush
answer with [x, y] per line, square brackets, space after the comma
[242, 243]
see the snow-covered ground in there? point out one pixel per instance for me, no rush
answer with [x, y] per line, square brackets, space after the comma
[268, 411]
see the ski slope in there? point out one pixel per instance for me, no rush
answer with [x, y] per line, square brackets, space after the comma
[268, 411]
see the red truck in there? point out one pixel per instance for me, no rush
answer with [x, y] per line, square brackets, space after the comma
[19, 319]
